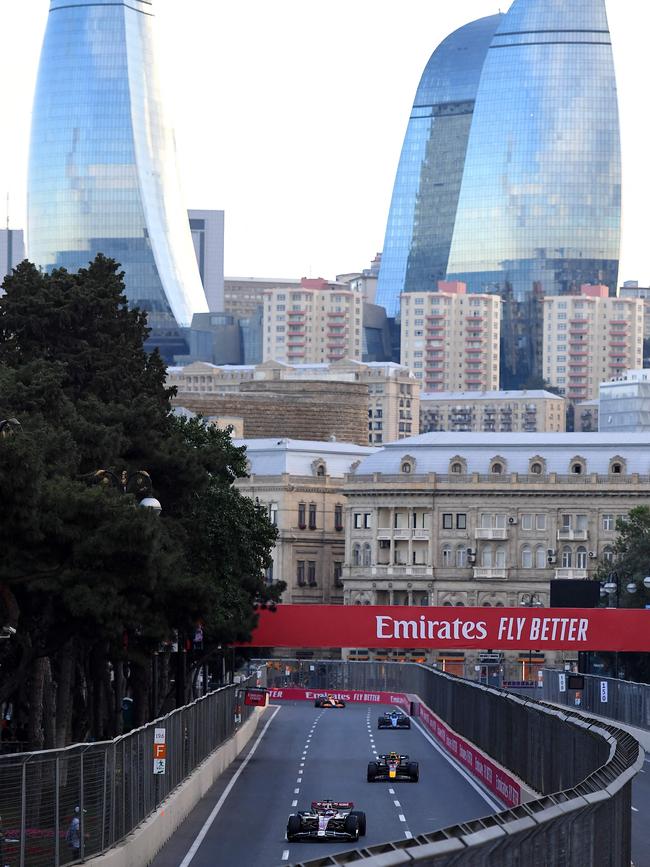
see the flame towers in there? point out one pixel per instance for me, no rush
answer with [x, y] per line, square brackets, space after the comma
[523, 199]
[102, 168]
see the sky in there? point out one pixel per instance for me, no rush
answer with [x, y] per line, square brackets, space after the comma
[290, 117]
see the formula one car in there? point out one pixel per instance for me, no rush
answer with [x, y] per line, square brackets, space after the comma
[327, 820]
[394, 719]
[393, 766]
[326, 700]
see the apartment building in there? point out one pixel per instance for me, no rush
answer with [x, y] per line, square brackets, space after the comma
[458, 519]
[624, 403]
[449, 339]
[243, 296]
[590, 338]
[300, 483]
[319, 322]
[631, 289]
[392, 390]
[533, 411]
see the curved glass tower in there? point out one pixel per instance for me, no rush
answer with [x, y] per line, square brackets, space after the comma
[102, 169]
[538, 209]
[425, 196]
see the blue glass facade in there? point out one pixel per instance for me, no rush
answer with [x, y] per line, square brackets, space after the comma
[102, 170]
[425, 196]
[538, 210]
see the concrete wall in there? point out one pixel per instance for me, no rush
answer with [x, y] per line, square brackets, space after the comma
[140, 848]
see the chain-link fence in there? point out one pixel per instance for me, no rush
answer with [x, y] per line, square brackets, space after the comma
[621, 700]
[582, 771]
[61, 806]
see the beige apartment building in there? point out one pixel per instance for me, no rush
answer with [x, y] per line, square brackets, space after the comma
[631, 289]
[243, 296]
[300, 483]
[590, 338]
[533, 411]
[319, 322]
[458, 519]
[450, 339]
[392, 390]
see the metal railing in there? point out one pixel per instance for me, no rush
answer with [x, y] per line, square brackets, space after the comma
[621, 700]
[112, 783]
[582, 769]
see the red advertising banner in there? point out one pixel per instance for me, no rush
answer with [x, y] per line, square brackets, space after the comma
[447, 628]
[494, 778]
[291, 693]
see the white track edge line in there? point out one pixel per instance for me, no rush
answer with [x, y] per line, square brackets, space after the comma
[461, 770]
[194, 848]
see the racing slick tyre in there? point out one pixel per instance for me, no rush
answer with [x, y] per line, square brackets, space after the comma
[361, 816]
[372, 771]
[341, 704]
[408, 724]
[379, 724]
[414, 771]
[351, 826]
[293, 827]
[318, 702]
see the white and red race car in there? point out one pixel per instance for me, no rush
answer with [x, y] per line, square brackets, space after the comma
[327, 820]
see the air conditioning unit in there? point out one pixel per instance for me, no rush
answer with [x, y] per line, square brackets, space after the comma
[384, 543]
[592, 555]
[551, 556]
[471, 556]
[512, 520]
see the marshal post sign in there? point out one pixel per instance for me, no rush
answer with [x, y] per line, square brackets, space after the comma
[447, 628]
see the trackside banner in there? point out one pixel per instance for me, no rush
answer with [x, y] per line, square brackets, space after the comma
[463, 628]
[291, 693]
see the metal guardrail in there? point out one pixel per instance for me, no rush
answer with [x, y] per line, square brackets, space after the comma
[111, 782]
[582, 769]
[621, 700]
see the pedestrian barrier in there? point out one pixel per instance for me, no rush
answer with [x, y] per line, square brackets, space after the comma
[66, 805]
[622, 700]
[581, 768]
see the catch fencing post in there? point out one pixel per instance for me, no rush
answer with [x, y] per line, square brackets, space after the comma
[23, 815]
[57, 819]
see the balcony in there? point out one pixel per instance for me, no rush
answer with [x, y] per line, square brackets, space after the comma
[567, 535]
[482, 572]
[576, 574]
[493, 533]
[422, 533]
[399, 570]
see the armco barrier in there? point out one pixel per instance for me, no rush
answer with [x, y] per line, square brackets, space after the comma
[582, 768]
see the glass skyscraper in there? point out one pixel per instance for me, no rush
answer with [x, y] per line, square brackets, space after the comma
[538, 207]
[102, 169]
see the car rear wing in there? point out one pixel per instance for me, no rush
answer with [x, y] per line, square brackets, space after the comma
[337, 805]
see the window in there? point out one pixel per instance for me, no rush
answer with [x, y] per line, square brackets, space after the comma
[356, 555]
[338, 517]
[302, 523]
[582, 522]
[367, 554]
[357, 520]
[456, 468]
[567, 522]
[567, 557]
[540, 557]
[536, 468]
[338, 573]
[268, 574]
[406, 467]
[608, 554]
[461, 521]
[496, 468]
[486, 557]
[367, 520]
[526, 522]
[500, 558]
[312, 516]
[526, 558]
[311, 573]
[461, 557]
[540, 522]
[581, 557]
[446, 556]
[300, 573]
[447, 521]
[273, 514]
[608, 522]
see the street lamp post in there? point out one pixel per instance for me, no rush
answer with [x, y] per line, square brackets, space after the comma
[611, 590]
[8, 427]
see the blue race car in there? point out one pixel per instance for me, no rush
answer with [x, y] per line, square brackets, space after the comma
[394, 719]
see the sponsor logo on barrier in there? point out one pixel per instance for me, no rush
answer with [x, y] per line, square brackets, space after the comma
[297, 694]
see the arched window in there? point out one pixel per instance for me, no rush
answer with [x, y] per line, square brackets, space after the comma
[536, 469]
[460, 605]
[496, 468]
[617, 465]
[461, 557]
[457, 468]
[356, 555]
[500, 559]
[608, 554]
[486, 557]
[447, 556]
[567, 557]
[526, 557]
[407, 464]
[540, 557]
[406, 467]
[581, 557]
[457, 465]
[367, 554]
[577, 466]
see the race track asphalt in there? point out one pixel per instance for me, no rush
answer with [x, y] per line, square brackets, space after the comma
[310, 754]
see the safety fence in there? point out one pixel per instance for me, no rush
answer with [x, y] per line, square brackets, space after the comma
[581, 769]
[622, 700]
[65, 805]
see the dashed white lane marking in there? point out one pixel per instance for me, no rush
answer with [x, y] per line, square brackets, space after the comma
[302, 764]
[194, 848]
[397, 803]
[408, 835]
[296, 791]
[391, 791]
[635, 809]
[294, 803]
[285, 855]
[402, 817]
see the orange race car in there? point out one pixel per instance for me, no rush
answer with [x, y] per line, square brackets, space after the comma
[328, 700]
